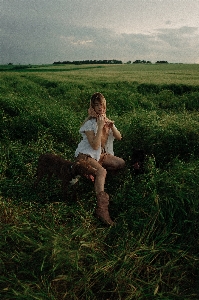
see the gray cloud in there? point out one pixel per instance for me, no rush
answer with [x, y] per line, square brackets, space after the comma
[39, 32]
[179, 37]
[181, 44]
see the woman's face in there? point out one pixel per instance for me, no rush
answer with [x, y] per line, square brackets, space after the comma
[99, 107]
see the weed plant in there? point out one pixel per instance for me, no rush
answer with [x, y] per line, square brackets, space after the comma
[54, 248]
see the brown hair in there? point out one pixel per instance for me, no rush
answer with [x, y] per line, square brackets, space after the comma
[91, 111]
[97, 97]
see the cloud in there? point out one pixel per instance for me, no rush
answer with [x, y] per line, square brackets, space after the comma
[77, 43]
[168, 22]
[39, 32]
[180, 43]
[178, 37]
[174, 45]
[74, 41]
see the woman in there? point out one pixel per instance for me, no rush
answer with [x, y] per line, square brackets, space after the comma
[96, 148]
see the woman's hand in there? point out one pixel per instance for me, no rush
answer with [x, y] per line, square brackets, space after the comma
[100, 122]
[117, 135]
[95, 139]
[110, 125]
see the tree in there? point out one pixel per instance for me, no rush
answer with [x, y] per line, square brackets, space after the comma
[161, 62]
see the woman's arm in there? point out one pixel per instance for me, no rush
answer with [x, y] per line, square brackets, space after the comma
[117, 135]
[95, 140]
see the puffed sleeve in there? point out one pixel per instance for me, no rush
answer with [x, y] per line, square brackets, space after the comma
[88, 126]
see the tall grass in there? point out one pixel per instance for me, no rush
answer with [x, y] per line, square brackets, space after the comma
[54, 248]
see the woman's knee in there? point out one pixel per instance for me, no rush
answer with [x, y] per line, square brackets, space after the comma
[117, 163]
[121, 163]
[101, 172]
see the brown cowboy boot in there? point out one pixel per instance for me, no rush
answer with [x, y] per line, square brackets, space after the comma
[102, 208]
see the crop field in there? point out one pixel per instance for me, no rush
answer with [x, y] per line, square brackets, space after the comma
[54, 248]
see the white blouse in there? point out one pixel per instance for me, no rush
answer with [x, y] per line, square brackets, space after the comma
[84, 146]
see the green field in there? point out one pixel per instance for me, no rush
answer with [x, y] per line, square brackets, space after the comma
[141, 73]
[54, 248]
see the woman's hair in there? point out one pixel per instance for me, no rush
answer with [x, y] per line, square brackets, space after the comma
[97, 97]
[91, 111]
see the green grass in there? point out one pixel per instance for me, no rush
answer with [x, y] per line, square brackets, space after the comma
[54, 248]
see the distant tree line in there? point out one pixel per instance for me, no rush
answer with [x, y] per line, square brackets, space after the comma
[106, 61]
[161, 62]
[138, 61]
[81, 62]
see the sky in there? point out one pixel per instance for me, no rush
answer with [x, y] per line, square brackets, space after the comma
[47, 31]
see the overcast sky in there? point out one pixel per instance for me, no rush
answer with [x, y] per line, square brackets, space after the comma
[45, 31]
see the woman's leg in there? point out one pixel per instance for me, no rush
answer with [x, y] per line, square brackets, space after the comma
[100, 175]
[100, 172]
[111, 162]
[101, 211]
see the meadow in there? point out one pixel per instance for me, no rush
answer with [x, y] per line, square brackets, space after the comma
[53, 248]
